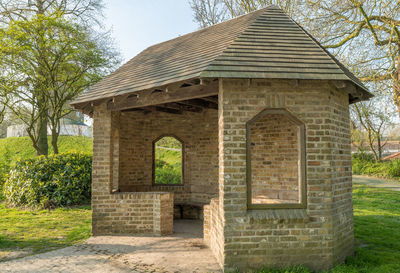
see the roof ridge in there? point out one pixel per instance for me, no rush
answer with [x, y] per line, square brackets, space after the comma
[210, 26]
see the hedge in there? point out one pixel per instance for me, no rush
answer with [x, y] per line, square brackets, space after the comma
[364, 164]
[59, 180]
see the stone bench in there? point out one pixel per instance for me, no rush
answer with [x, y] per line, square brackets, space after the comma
[194, 210]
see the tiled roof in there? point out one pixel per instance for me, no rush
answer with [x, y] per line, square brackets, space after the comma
[263, 44]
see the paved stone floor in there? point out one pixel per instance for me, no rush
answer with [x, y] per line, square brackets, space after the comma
[182, 252]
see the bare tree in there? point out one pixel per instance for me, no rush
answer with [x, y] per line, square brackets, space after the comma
[365, 33]
[371, 120]
[210, 12]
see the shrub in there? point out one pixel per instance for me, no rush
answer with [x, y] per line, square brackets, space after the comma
[363, 156]
[393, 168]
[166, 173]
[60, 180]
[5, 163]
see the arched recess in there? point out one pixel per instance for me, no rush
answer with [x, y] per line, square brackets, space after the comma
[168, 161]
[276, 167]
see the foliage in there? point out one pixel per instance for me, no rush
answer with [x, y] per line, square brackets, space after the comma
[166, 173]
[363, 164]
[32, 232]
[15, 148]
[168, 161]
[58, 180]
[370, 121]
[50, 53]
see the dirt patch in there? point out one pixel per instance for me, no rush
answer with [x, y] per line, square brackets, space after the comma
[182, 252]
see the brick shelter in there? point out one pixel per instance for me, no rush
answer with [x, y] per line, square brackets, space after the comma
[261, 111]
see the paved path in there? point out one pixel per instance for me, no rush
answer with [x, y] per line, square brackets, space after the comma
[376, 182]
[182, 252]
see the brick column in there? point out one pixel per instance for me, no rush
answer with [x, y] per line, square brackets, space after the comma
[101, 168]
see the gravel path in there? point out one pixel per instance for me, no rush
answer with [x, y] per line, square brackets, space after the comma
[182, 252]
[376, 182]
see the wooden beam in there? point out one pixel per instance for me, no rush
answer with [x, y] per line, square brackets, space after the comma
[211, 99]
[146, 111]
[167, 110]
[183, 107]
[148, 98]
[200, 103]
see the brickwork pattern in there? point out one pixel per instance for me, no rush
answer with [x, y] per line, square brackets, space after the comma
[314, 236]
[317, 236]
[213, 229]
[122, 213]
[198, 131]
[274, 160]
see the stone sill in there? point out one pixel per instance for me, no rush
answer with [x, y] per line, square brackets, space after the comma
[279, 214]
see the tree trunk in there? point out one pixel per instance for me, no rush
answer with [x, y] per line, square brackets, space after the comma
[396, 85]
[379, 147]
[54, 140]
[42, 144]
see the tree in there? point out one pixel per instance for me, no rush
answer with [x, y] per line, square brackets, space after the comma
[370, 121]
[365, 33]
[210, 12]
[78, 61]
[36, 88]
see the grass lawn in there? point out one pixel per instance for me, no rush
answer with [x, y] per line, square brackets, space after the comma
[377, 232]
[376, 216]
[25, 232]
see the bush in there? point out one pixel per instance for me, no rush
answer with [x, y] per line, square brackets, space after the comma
[393, 168]
[364, 164]
[59, 180]
[166, 173]
[5, 163]
[363, 156]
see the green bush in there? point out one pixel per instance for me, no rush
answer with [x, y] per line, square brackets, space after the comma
[60, 180]
[166, 173]
[393, 169]
[5, 164]
[364, 164]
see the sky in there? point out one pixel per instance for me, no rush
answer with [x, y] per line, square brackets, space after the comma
[138, 24]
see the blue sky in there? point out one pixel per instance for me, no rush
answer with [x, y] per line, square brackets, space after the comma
[138, 24]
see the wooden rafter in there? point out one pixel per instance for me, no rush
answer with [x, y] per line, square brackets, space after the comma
[183, 107]
[200, 103]
[213, 99]
[151, 98]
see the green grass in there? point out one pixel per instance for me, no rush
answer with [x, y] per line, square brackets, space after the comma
[32, 232]
[21, 147]
[376, 219]
[168, 157]
[377, 233]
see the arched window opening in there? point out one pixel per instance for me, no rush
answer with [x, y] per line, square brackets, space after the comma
[276, 160]
[168, 161]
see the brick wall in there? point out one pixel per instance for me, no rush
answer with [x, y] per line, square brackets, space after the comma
[213, 229]
[276, 237]
[274, 160]
[122, 213]
[199, 133]
[135, 213]
[343, 236]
